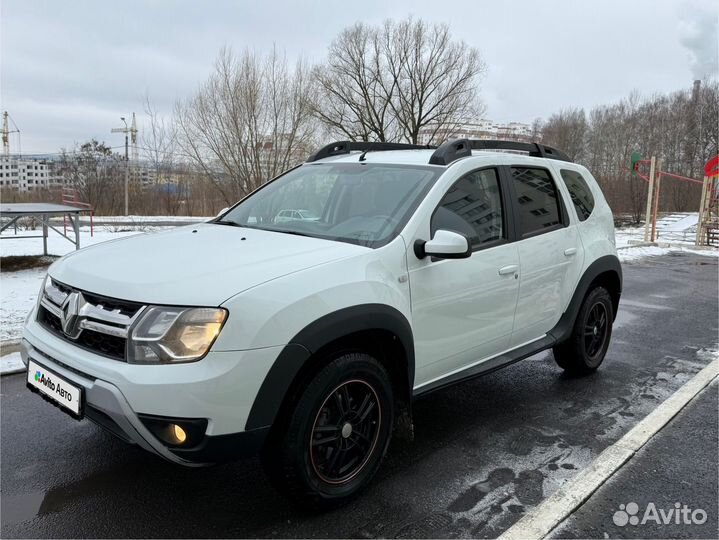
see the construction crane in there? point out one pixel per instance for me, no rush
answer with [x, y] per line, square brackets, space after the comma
[130, 135]
[133, 141]
[6, 131]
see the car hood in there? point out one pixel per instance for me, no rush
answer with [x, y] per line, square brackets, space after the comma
[196, 265]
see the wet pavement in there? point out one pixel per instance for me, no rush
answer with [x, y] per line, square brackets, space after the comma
[667, 490]
[485, 451]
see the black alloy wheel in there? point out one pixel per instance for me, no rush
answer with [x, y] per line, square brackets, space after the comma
[595, 329]
[334, 434]
[345, 432]
[584, 350]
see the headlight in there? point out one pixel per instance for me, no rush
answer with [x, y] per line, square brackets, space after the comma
[174, 334]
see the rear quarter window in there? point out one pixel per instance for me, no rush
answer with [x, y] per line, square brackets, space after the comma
[579, 191]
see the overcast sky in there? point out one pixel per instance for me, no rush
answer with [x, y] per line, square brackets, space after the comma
[71, 68]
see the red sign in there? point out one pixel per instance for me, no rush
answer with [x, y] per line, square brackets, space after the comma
[711, 169]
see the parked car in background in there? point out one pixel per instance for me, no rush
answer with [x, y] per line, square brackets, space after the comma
[295, 215]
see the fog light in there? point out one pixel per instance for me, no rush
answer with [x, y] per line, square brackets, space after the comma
[179, 433]
[176, 432]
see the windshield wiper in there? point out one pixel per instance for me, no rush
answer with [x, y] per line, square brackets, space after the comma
[225, 222]
[296, 233]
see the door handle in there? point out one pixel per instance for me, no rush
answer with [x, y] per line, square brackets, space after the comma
[505, 270]
[570, 251]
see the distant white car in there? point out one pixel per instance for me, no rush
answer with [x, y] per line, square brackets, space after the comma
[295, 215]
[307, 340]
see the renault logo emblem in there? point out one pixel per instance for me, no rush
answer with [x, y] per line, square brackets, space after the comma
[71, 313]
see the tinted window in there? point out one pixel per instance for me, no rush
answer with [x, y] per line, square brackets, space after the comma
[473, 207]
[579, 191]
[538, 199]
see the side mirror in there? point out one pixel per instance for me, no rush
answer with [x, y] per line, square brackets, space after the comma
[444, 245]
[225, 209]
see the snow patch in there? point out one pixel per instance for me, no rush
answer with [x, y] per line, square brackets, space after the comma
[18, 294]
[708, 355]
[631, 254]
[11, 363]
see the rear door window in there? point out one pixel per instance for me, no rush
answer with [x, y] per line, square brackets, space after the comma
[538, 203]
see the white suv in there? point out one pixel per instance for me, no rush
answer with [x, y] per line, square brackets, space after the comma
[308, 340]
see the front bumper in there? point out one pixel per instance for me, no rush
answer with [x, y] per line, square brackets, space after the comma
[220, 389]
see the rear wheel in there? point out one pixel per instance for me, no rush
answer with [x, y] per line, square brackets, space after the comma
[336, 435]
[584, 351]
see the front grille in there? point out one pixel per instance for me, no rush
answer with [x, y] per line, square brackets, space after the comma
[122, 307]
[100, 324]
[49, 321]
[104, 344]
[111, 346]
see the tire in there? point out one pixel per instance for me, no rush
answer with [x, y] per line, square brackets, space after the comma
[584, 351]
[328, 452]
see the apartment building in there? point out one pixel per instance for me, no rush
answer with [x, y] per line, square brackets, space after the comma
[26, 174]
[478, 129]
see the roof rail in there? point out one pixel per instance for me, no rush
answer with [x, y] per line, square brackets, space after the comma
[458, 148]
[345, 147]
[451, 151]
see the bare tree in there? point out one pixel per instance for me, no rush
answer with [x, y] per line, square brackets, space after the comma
[567, 130]
[682, 128]
[353, 93]
[159, 149]
[248, 122]
[394, 81]
[96, 173]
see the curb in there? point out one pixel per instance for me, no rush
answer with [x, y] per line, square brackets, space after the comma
[13, 371]
[546, 516]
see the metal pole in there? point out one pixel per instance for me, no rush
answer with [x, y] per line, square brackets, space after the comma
[127, 178]
[650, 194]
[44, 235]
[76, 227]
[702, 212]
[655, 211]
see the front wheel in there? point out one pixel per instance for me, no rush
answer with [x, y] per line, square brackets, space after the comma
[336, 435]
[584, 351]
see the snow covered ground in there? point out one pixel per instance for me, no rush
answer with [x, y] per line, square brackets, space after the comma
[18, 290]
[677, 230]
[11, 363]
[11, 244]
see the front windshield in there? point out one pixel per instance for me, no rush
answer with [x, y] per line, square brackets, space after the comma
[364, 204]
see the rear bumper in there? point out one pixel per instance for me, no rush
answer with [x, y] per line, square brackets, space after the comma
[106, 406]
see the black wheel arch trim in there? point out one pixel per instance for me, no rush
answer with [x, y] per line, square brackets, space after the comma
[314, 337]
[603, 265]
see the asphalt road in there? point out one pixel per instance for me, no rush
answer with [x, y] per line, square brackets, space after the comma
[678, 467]
[485, 451]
